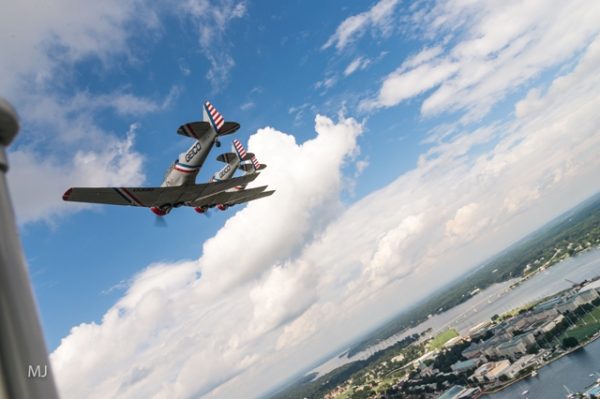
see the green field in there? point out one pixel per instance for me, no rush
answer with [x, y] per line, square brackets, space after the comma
[586, 327]
[442, 338]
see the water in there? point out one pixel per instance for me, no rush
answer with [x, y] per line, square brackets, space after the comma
[572, 371]
[496, 299]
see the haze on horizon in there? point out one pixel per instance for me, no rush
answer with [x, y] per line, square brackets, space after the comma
[407, 142]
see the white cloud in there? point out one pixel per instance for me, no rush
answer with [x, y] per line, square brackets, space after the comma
[467, 222]
[37, 181]
[247, 106]
[313, 274]
[262, 297]
[326, 83]
[498, 47]
[356, 64]
[300, 111]
[62, 33]
[378, 17]
[211, 21]
[61, 143]
[361, 165]
[254, 318]
[402, 85]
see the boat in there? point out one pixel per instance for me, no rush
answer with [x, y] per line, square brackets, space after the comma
[525, 392]
[534, 373]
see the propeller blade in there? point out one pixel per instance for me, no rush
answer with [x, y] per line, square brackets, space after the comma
[160, 221]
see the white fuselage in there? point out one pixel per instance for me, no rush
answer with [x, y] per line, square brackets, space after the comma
[185, 169]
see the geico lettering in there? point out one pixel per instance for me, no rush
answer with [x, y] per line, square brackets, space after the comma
[193, 151]
[224, 171]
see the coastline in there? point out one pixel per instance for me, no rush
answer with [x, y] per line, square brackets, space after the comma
[512, 382]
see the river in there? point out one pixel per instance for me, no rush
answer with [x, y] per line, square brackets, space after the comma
[496, 299]
[571, 371]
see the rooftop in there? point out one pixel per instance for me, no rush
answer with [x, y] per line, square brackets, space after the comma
[452, 392]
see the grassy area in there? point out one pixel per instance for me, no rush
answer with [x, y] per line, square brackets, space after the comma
[442, 338]
[586, 327]
[583, 332]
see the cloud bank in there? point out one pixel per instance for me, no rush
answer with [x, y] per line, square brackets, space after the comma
[489, 50]
[253, 280]
[234, 322]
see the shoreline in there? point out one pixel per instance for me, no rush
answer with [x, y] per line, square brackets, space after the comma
[510, 383]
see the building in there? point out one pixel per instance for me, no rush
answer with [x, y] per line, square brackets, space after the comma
[586, 297]
[490, 371]
[470, 393]
[521, 364]
[516, 346]
[465, 365]
[479, 328]
[475, 350]
[498, 370]
[398, 358]
[550, 304]
[453, 341]
[485, 348]
[567, 306]
[459, 392]
[421, 362]
[544, 314]
[549, 326]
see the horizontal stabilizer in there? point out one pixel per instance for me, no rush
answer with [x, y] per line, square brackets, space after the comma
[228, 128]
[194, 130]
[198, 129]
[248, 156]
[248, 167]
[227, 157]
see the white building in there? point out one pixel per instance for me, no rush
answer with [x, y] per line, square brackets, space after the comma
[521, 364]
[490, 371]
[515, 346]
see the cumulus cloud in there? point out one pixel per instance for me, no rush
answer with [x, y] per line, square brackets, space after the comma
[315, 273]
[71, 29]
[38, 181]
[467, 222]
[497, 47]
[378, 17]
[303, 287]
[263, 288]
[80, 152]
[39, 63]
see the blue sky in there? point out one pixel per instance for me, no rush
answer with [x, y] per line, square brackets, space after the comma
[407, 142]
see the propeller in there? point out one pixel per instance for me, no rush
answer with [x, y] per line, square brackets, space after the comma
[160, 221]
[204, 211]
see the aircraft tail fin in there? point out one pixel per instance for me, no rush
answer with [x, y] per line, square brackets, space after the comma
[253, 166]
[213, 116]
[239, 149]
